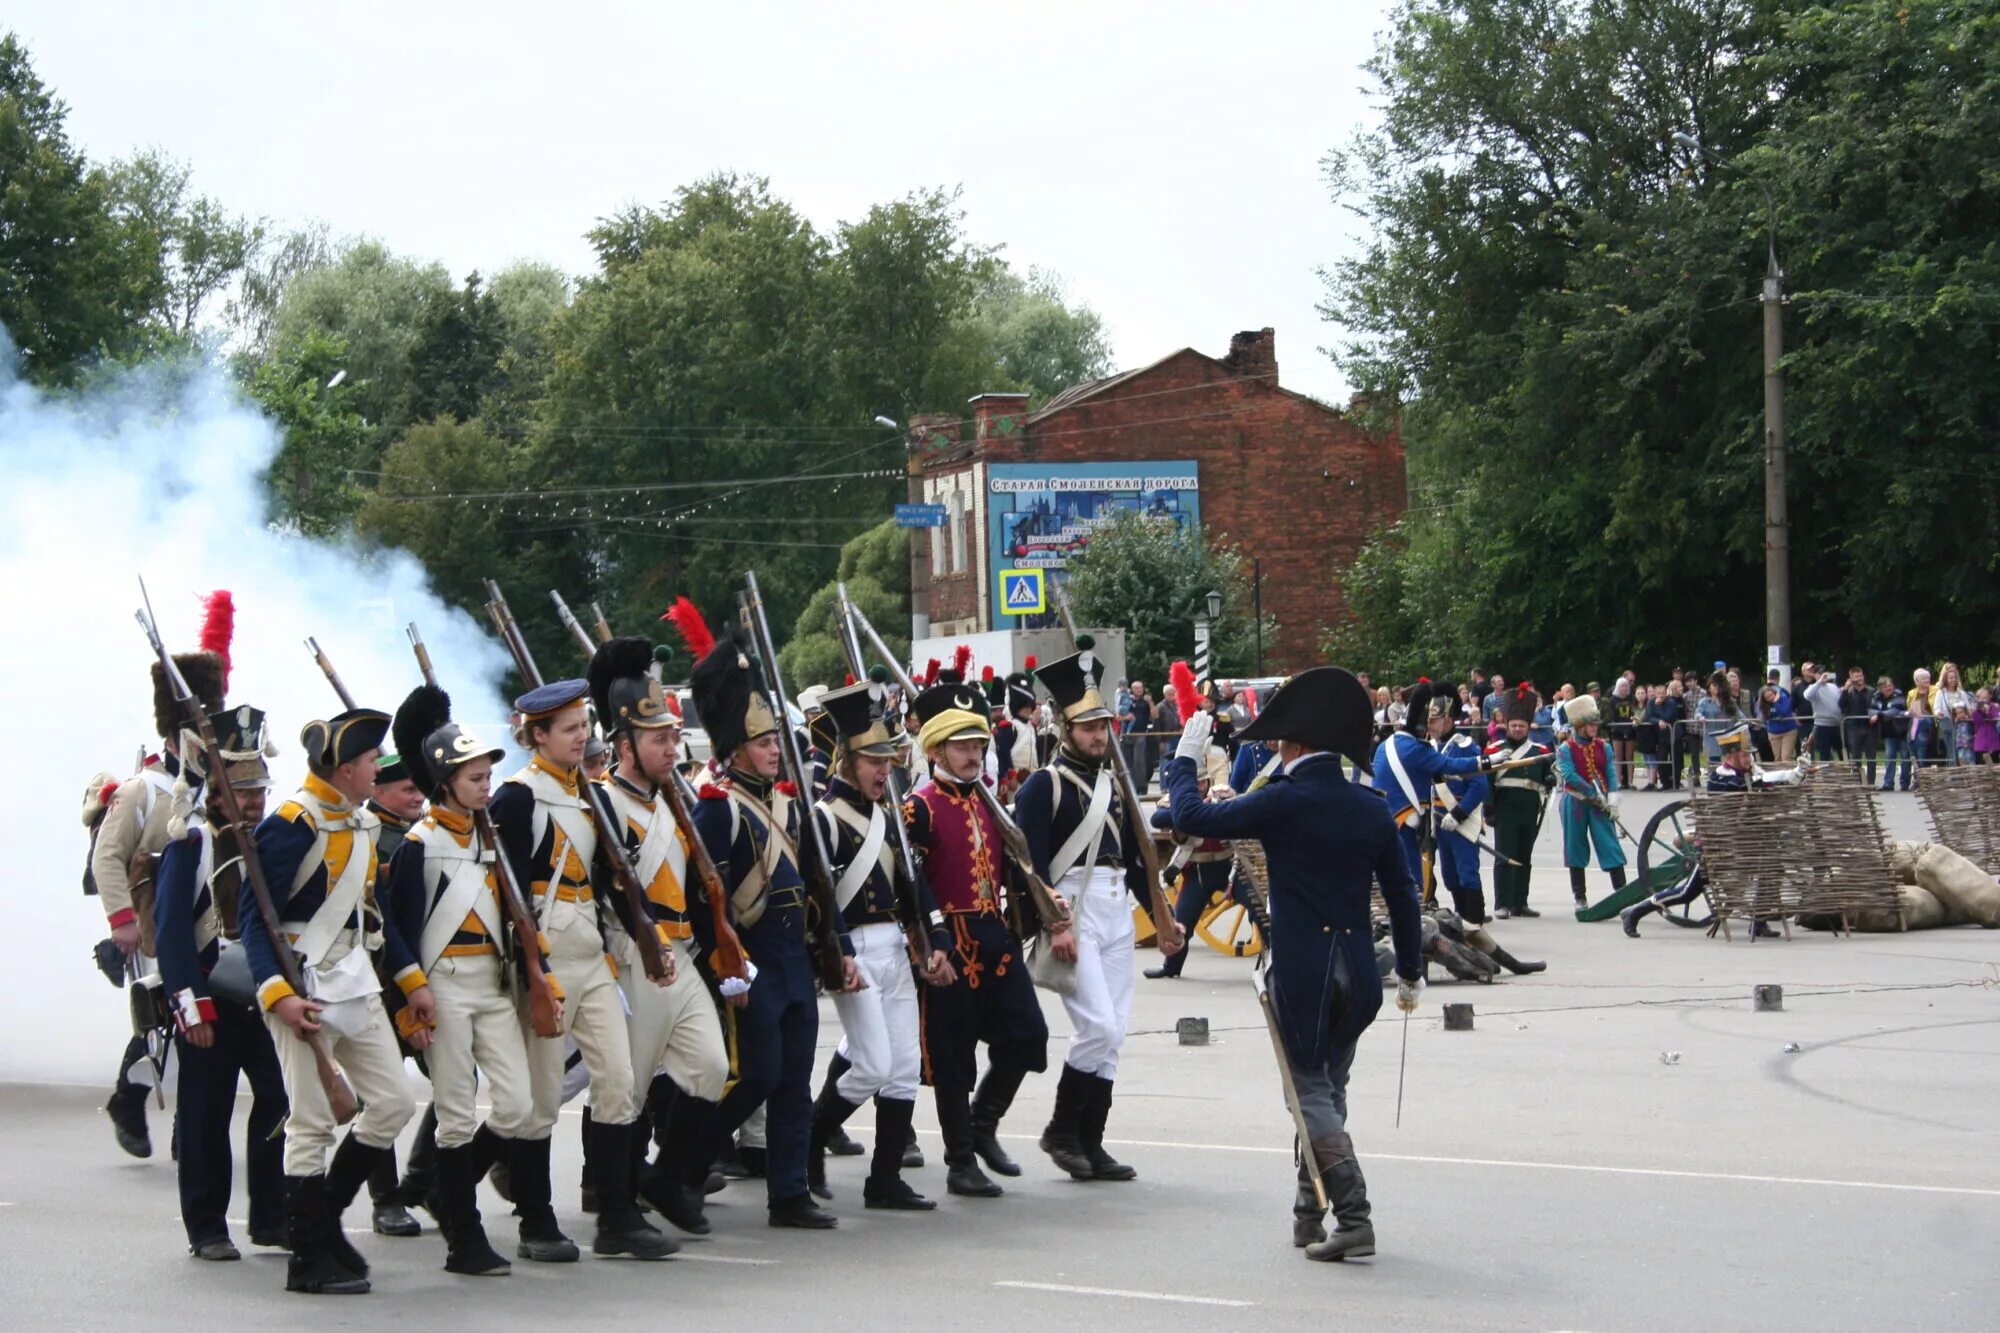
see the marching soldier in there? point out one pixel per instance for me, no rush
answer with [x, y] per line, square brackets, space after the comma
[547, 835]
[1325, 840]
[993, 999]
[1016, 738]
[132, 832]
[819, 738]
[673, 1029]
[218, 1034]
[1589, 799]
[883, 1056]
[1075, 821]
[397, 805]
[444, 897]
[318, 855]
[1519, 796]
[750, 823]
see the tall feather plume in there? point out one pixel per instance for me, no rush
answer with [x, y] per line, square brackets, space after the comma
[985, 675]
[218, 628]
[929, 678]
[425, 710]
[1030, 664]
[1181, 677]
[694, 631]
[961, 659]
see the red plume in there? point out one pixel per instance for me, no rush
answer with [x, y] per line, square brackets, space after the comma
[849, 678]
[985, 673]
[218, 627]
[693, 629]
[1030, 664]
[1181, 677]
[930, 673]
[961, 659]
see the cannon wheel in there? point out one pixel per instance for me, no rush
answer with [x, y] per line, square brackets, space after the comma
[1668, 854]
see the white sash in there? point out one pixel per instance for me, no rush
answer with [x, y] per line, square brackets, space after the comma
[865, 861]
[1084, 838]
[1402, 774]
[1475, 820]
[208, 925]
[552, 802]
[343, 896]
[464, 871]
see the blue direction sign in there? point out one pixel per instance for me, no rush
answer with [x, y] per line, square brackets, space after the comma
[1023, 592]
[919, 516]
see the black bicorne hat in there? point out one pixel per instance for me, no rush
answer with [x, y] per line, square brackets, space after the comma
[343, 737]
[1325, 708]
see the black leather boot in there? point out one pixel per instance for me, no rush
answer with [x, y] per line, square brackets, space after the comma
[989, 1104]
[312, 1268]
[839, 1143]
[541, 1239]
[353, 1162]
[390, 1217]
[1576, 889]
[586, 1181]
[1631, 916]
[670, 1189]
[962, 1173]
[621, 1228]
[420, 1172]
[455, 1204]
[1347, 1193]
[1061, 1140]
[1090, 1132]
[885, 1186]
[830, 1112]
[801, 1212]
[127, 1109]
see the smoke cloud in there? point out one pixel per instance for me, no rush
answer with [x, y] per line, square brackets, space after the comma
[161, 473]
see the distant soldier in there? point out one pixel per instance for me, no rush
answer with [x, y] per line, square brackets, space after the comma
[1519, 796]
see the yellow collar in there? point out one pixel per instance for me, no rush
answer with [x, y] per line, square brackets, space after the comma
[451, 821]
[323, 791]
[566, 776]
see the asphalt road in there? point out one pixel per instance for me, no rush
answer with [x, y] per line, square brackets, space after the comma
[1551, 1171]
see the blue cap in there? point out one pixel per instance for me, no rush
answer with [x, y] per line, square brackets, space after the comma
[551, 698]
[1722, 666]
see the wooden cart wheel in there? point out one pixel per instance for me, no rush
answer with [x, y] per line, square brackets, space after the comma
[1669, 852]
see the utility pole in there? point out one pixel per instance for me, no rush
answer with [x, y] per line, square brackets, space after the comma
[1777, 515]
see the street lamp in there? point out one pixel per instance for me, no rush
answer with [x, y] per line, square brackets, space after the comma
[1777, 518]
[1215, 606]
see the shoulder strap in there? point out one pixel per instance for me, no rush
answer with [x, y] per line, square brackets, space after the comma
[1089, 831]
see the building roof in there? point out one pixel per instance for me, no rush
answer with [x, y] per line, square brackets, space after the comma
[1089, 389]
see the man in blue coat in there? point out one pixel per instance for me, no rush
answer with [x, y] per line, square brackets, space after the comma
[1325, 841]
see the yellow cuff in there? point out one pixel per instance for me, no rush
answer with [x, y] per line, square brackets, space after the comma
[555, 985]
[660, 929]
[611, 963]
[272, 991]
[412, 979]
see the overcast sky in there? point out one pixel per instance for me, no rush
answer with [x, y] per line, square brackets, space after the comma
[1163, 158]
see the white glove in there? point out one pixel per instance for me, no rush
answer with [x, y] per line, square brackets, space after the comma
[732, 986]
[1406, 995]
[1194, 738]
[1450, 825]
[1612, 801]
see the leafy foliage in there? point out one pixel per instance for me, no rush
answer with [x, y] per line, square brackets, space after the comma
[1154, 578]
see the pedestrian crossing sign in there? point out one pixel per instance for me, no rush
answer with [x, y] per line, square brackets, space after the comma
[1023, 592]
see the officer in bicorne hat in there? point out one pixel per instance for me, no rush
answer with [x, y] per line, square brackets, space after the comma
[1078, 833]
[444, 895]
[884, 1060]
[318, 855]
[218, 1034]
[1326, 841]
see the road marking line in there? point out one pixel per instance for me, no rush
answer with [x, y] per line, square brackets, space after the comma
[1573, 1166]
[1067, 1290]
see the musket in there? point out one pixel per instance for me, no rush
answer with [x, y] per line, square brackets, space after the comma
[637, 923]
[1164, 924]
[340, 1098]
[574, 626]
[1253, 893]
[818, 874]
[544, 1008]
[728, 958]
[891, 805]
[599, 625]
[1050, 906]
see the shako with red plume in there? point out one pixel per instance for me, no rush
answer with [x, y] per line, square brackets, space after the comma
[694, 631]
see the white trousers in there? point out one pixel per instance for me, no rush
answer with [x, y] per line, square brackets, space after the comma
[594, 1018]
[1101, 916]
[880, 1023]
[374, 1067]
[673, 1029]
[478, 1030]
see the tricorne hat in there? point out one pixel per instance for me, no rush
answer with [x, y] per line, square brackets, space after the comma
[1324, 708]
[342, 738]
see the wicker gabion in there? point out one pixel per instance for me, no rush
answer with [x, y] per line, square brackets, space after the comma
[1816, 846]
[1963, 804]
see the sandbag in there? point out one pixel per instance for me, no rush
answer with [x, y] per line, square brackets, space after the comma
[1903, 860]
[1967, 892]
[1920, 910]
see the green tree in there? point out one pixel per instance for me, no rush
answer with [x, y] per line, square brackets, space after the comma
[200, 249]
[1153, 578]
[875, 567]
[1560, 300]
[313, 483]
[1039, 343]
[75, 284]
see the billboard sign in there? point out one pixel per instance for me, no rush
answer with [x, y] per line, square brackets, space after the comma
[1039, 515]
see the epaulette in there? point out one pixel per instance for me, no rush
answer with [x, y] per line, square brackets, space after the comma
[785, 788]
[294, 811]
[710, 792]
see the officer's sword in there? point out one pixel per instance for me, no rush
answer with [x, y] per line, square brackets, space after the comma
[1254, 891]
[1402, 1067]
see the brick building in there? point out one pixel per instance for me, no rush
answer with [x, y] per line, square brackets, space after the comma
[1291, 482]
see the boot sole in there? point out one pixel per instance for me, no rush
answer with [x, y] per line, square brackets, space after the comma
[358, 1287]
[501, 1269]
[624, 1249]
[919, 1205]
[552, 1254]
